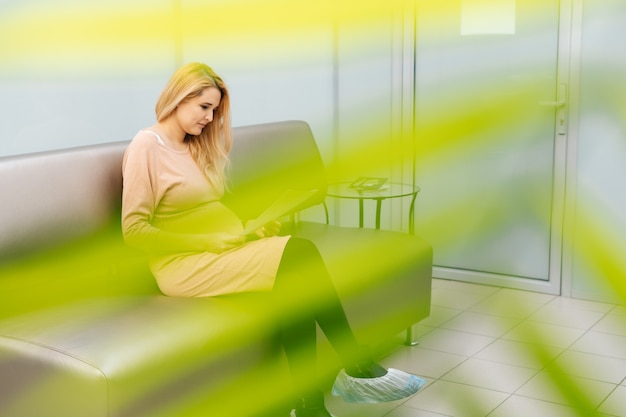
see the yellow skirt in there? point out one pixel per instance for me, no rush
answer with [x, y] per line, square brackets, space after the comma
[249, 267]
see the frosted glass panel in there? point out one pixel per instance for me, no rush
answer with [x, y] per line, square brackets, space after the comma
[479, 17]
[485, 137]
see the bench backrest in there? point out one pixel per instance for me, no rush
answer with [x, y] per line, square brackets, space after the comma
[60, 237]
[54, 197]
[268, 159]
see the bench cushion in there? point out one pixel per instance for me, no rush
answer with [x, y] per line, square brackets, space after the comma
[384, 277]
[132, 356]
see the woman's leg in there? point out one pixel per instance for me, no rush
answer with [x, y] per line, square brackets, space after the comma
[302, 275]
[304, 281]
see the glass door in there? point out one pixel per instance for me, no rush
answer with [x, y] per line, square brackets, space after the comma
[490, 125]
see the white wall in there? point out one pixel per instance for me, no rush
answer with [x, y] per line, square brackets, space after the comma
[77, 73]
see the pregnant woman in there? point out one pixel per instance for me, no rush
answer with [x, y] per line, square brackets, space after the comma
[174, 178]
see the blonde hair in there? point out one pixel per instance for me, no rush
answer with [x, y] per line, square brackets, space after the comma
[211, 147]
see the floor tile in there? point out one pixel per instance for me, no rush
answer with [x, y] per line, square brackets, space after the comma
[490, 375]
[581, 393]
[602, 344]
[456, 400]
[565, 302]
[478, 323]
[512, 303]
[601, 368]
[496, 352]
[619, 310]
[517, 406]
[544, 334]
[341, 408]
[452, 341]
[404, 411]
[438, 282]
[526, 355]
[525, 296]
[566, 316]
[423, 362]
[615, 404]
[452, 298]
[613, 323]
[469, 288]
[439, 315]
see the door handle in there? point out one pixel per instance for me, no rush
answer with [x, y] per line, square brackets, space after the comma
[555, 104]
[559, 105]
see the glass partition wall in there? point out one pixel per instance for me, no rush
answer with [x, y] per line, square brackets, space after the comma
[491, 97]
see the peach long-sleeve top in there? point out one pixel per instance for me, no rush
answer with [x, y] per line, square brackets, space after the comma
[166, 200]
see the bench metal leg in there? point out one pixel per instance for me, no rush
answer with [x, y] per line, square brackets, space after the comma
[409, 337]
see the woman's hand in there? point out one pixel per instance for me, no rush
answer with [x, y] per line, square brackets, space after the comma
[222, 242]
[270, 229]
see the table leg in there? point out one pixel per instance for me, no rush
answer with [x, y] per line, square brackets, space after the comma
[379, 203]
[412, 215]
[360, 212]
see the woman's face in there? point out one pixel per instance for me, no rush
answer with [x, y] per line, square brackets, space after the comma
[194, 114]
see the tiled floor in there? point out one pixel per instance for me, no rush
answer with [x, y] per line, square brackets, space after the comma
[497, 352]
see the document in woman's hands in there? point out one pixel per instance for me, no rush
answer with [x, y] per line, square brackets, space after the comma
[283, 205]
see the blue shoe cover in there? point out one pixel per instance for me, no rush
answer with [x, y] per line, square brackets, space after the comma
[395, 385]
